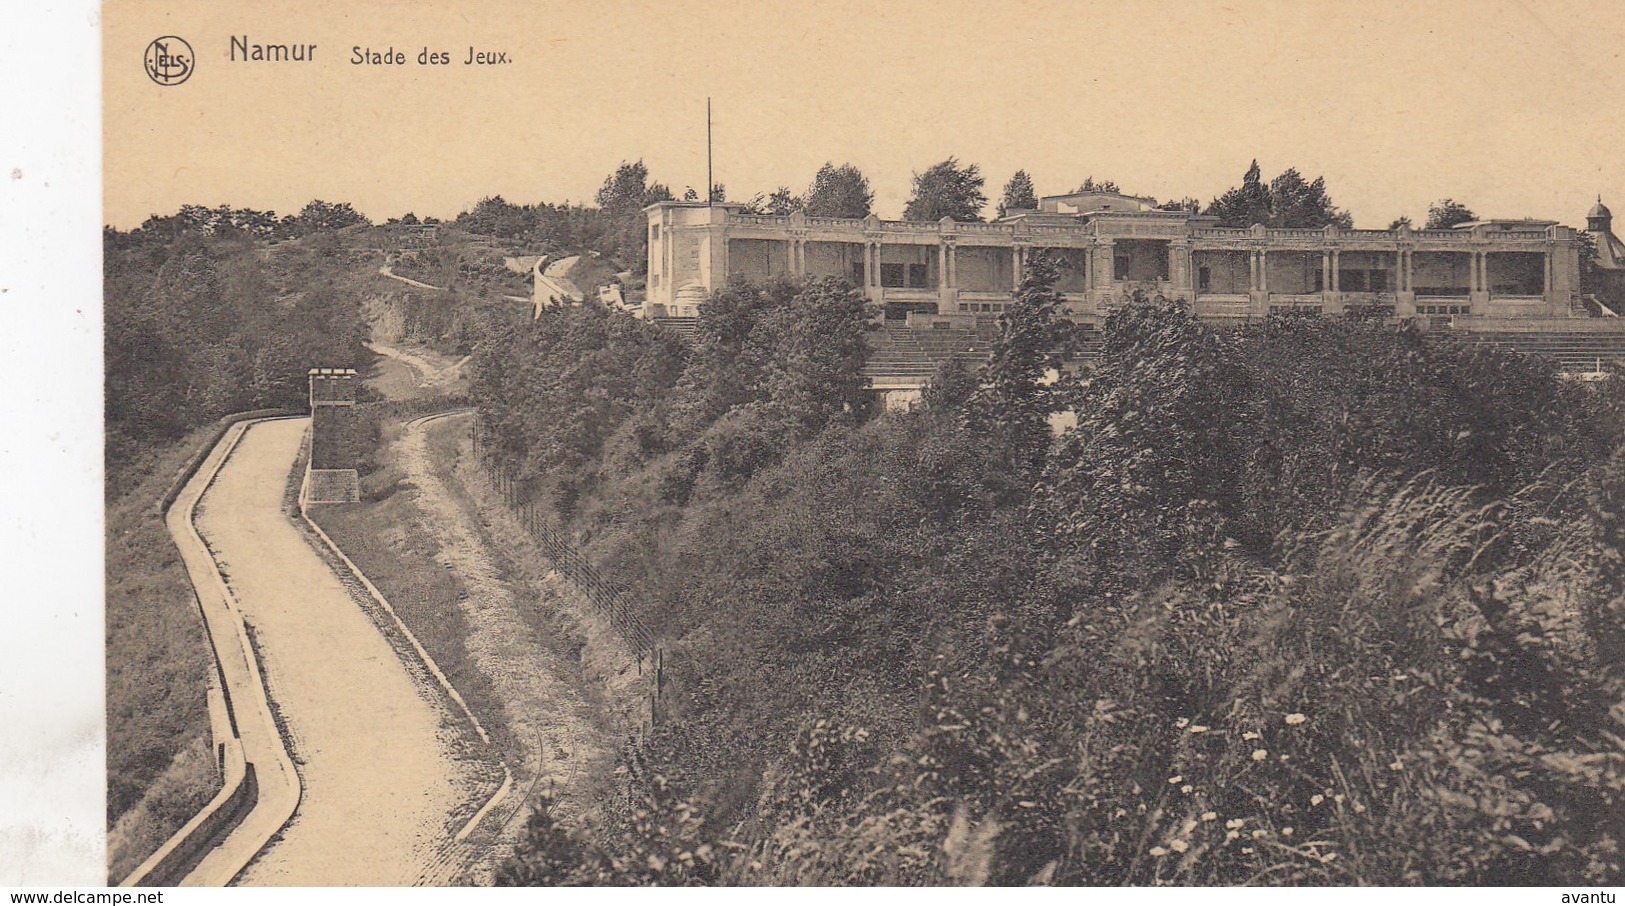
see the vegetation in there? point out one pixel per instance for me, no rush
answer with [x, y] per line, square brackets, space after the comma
[1446, 213]
[1287, 201]
[203, 318]
[200, 324]
[1308, 602]
[1018, 194]
[839, 192]
[621, 200]
[1105, 185]
[947, 190]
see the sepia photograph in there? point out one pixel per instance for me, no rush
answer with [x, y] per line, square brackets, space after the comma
[1008, 443]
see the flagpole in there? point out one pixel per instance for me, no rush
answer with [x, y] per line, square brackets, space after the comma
[710, 180]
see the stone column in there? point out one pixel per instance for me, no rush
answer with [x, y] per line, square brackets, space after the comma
[1179, 268]
[953, 265]
[1018, 264]
[1325, 271]
[1263, 271]
[1252, 271]
[943, 281]
[1337, 265]
[1105, 265]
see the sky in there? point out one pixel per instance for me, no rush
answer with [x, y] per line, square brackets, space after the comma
[1513, 108]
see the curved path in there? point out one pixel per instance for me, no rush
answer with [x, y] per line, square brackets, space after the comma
[245, 732]
[384, 786]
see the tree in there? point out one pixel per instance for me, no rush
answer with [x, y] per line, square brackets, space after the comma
[1105, 185]
[1446, 213]
[1148, 449]
[1186, 204]
[494, 216]
[1244, 205]
[817, 377]
[1289, 201]
[629, 189]
[782, 202]
[839, 192]
[1296, 203]
[1404, 220]
[947, 190]
[1014, 403]
[320, 216]
[1018, 194]
[622, 198]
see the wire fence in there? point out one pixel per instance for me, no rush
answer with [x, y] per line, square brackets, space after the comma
[606, 596]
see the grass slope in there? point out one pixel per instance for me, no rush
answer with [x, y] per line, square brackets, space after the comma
[158, 768]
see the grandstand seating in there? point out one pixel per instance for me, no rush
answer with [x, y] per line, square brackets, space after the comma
[1572, 351]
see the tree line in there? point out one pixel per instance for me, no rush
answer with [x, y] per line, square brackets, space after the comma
[199, 325]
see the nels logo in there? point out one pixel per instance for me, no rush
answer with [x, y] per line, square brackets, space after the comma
[169, 60]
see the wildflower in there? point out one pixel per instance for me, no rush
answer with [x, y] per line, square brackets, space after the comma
[1210, 816]
[1198, 728]
[1338, 798]
[1158, 851]
[1397, 765]
[1286, 831]
[1260, 754]
[1121, 813]
[1231, 835]
[1247, 850]
[1177, 778]
[1316, 799]
[1260, 834]
[1187, 788]
[1182, 722]
[1234, 823]
[1189, 826]
[1179, 846]
[1328, 857]
[1293, 719]
[1359, 809]
[1249, 735]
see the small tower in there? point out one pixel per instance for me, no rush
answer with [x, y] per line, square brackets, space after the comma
[1608, 268]
[335, 438]
[1600, 219]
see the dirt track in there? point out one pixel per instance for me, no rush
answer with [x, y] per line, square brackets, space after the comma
[559, 740]
[384, 792]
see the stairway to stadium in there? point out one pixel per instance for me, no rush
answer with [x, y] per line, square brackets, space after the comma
[895, 354]
[687, 328]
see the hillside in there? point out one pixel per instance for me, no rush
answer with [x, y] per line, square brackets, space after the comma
[1310, 602]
